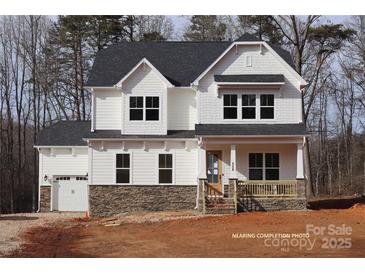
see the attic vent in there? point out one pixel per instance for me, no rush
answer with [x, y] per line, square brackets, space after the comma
[248, 61]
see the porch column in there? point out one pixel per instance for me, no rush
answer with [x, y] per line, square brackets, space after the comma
[233, 173]
[202, 155]
[300, 164]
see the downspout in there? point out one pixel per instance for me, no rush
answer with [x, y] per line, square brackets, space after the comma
[39, 185]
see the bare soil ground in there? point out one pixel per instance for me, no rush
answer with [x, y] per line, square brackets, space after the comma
[12, 226]
[185, 234]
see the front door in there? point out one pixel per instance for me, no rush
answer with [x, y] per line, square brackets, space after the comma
[214, 169]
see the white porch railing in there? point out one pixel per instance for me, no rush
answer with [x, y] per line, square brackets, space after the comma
[280, 188]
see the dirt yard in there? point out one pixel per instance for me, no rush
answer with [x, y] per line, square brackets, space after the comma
[12, 226]
[183, 234]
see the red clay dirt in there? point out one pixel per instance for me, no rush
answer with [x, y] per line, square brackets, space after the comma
[212, 236]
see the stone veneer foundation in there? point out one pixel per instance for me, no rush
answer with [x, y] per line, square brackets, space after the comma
[45, 198]
[105, 200]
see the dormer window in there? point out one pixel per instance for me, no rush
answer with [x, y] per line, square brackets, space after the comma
[136, 108]
[144, 108]
[152, 108]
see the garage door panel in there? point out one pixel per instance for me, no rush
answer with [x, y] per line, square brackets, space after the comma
[70, 195]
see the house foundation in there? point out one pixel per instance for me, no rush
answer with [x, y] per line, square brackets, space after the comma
[105, 200]
[45, 199]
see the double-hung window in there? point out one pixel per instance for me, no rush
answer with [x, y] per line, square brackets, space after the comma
[165, 168]
[264, 166]
[256, 166]
[152, 108]
[248, 106]
[136, 108]
[122, 168]
[267, 106]
[230, 106]
[272, 166]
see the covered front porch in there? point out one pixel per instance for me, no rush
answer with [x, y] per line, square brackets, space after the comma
[252, 172]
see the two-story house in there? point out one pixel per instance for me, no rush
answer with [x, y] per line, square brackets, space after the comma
[181, 125]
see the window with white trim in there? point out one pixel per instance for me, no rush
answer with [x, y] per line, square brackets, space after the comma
[122, 168]
[136, 108]
[272, 166]
[152, 108]
[267, 106]
[256, 167]
[63, 178]
[165, 168]
[264, 166]
[248, 106]
[230, 106]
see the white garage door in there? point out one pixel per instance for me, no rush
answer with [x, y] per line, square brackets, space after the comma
[70, 193]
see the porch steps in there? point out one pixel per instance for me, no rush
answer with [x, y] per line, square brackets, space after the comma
[220, 205]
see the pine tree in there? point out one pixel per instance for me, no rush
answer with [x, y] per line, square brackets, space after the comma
[205, 28]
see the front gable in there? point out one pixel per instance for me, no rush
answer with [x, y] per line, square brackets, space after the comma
[143, 82]
[250, 57]
[240, 61]
[142, 70]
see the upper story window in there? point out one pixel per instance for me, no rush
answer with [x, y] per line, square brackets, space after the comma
[144, 108]
[122, 168]
[230, 106]
[267, 106]
[152, 108]
[136, 108]
[248, 106]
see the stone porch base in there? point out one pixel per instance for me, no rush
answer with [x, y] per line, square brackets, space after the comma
[270, 204]
[106, 200]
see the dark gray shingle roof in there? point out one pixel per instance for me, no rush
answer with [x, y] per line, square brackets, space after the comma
[64, 133]
[112, 134]
[250, 78]
[250, 129]
[71, 133]
[180, 62]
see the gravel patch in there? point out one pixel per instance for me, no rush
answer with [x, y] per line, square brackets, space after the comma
[13, 225]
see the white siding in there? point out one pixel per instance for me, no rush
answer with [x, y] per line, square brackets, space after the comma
[287, 100]
[287, 156]
[181, 105]
[62, 162]
[108, 109]
[145, 82]
[144, 163]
